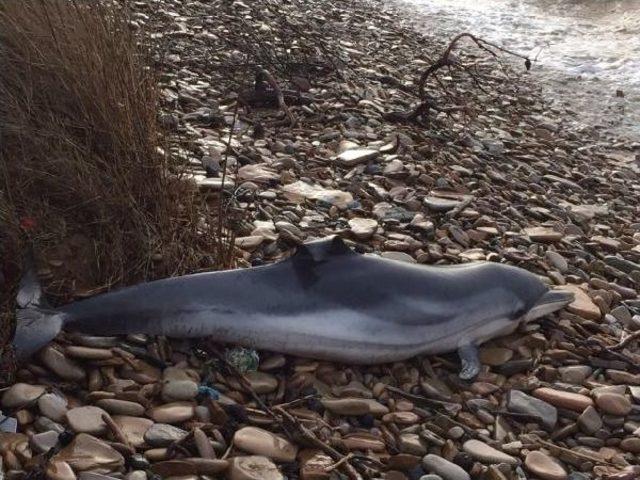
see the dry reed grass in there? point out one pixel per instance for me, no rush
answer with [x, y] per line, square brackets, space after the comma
[81, 154]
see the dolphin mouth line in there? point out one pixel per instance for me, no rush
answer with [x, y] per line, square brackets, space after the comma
[550, 302]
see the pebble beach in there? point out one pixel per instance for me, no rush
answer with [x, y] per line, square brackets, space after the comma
[497, 172]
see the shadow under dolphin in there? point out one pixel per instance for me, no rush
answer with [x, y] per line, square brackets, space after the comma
[325, 302]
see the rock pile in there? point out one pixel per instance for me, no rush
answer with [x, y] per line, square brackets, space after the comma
[505, 179]
[150, 406]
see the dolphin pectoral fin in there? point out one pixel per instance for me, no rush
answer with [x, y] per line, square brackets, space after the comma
[468, 354]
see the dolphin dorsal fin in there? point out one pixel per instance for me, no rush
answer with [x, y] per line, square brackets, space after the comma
[310, 254]
[322, 250]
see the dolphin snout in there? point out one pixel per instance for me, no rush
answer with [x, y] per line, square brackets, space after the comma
[550, 302]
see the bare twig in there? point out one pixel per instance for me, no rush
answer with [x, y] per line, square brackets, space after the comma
[177, 444]
[225, 251]
[291, 426]
[460, 207]
[296, 429]
[118, 433]
[448, 406]
[421, 110]
[583, 456]
[446, 58]
[593, 342]
[263, 74]
[339, 463]
[626, 341]
[296, 402]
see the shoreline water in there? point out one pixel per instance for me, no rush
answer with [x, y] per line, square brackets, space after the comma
[588, 52]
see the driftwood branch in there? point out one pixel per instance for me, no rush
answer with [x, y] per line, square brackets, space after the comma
[449, 407]
[591, 458]
[298, 432]
[626, 341]
[263, 75]
[447, 59]
[460, 207]
[421, 110]
[292, 427]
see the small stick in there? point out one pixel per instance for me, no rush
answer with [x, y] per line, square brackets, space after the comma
[598, 344]
[364, 459]
[264, 74]
[177, 444]
[224, 252]
[331, 468]
[297, 401]
[228, 450]
[449, 406]
[127, 357]
[626, 341]
[471, 432]
[459, 208]
[445, 59]
[572, 452]
[311, 439]
[288, 421]
[117, 432]
[523, 417]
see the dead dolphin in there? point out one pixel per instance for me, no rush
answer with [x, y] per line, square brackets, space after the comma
[325, 302]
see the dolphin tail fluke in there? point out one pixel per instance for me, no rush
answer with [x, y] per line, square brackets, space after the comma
[35, 328]
[36, 322]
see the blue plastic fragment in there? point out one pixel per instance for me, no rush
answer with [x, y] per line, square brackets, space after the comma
[8, 424]
[209, 392]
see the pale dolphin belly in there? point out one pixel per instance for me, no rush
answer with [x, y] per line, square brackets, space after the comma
[354, 340]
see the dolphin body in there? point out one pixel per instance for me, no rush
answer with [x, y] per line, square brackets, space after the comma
[325, 302]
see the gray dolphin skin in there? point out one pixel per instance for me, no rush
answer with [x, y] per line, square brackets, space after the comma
[325, 302]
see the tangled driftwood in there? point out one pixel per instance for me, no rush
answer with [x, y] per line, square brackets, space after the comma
[447, 59]
[267, 93]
